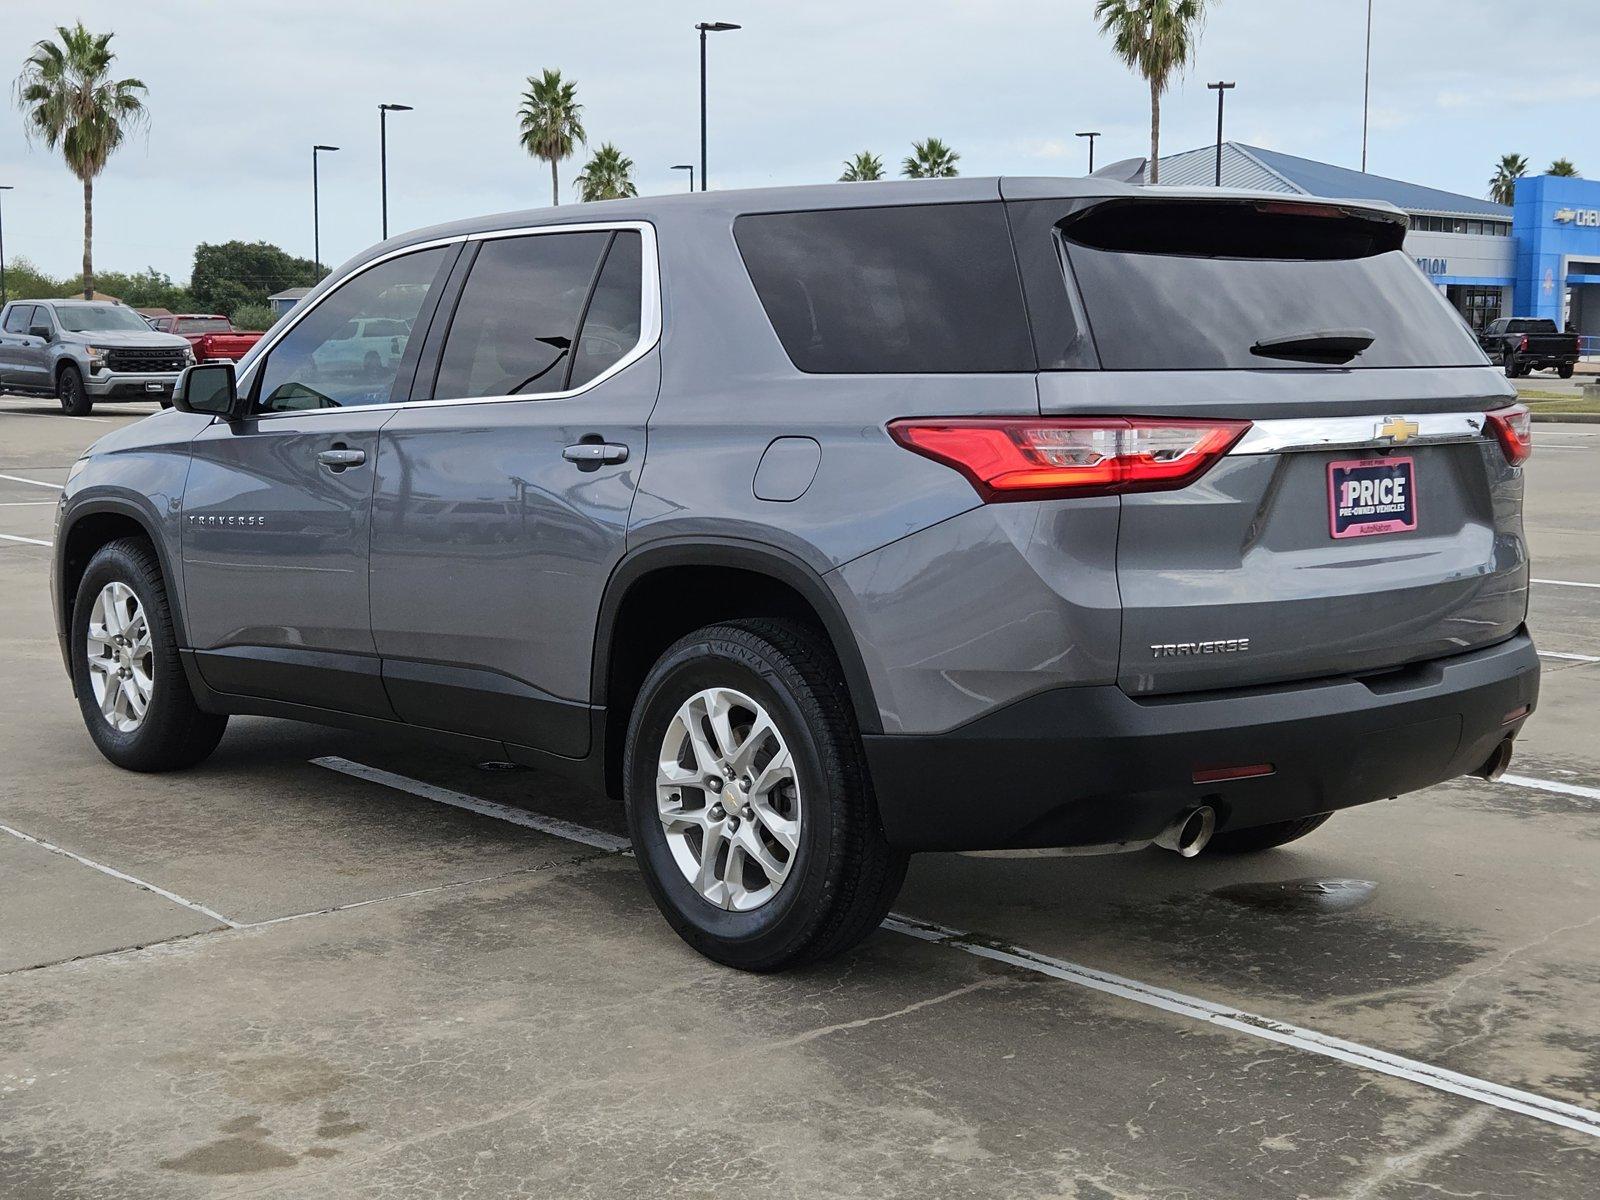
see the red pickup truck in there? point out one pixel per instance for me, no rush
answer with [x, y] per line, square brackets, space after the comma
[213, 336]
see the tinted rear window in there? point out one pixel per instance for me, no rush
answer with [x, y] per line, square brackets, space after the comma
[924, 288]
[1181, 286]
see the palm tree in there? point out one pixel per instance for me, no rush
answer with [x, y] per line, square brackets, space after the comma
[931, 159]
[68, 98]
[862, 168]
[552, 122]
[1503, 183]
[606, 176]
[1563, 166]
[1157, 38]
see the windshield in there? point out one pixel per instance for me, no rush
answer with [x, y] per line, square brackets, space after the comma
[95, 318]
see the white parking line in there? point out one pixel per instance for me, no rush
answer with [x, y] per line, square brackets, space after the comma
[1555, 582]
[489, 808]
[1551, 785]
[27, 503]
[55, 487]
[12, 537]
[116, 874]
[1569, 657]
[1556, 1112]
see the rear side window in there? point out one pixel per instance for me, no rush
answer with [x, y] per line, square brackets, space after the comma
[18, 318]
[915, 289]
[1175, 285]
[517, 321]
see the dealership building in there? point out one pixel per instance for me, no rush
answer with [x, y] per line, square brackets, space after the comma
[1538, 258]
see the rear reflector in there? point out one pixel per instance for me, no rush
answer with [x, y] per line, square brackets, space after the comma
[1027, 458]
[1219, 774]
[1516, 714]
[1514, 427]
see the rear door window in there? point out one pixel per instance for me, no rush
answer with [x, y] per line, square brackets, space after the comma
[18, 318]
[1183, 285]
[517, 321]
[911, 289]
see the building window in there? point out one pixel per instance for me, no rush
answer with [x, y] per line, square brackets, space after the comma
[1477, 305]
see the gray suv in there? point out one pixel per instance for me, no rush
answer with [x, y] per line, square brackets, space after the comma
[83, 350]
[818, 526]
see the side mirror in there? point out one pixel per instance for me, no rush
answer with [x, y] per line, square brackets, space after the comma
[41, 331]
[209, 388]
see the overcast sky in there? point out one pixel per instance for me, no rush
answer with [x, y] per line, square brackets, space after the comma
[239, 92]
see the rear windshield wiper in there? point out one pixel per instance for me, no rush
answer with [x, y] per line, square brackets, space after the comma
[1320, 345]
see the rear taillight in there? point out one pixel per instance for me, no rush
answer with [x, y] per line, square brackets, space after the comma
[1523, 344]
[1027, 458]
[1514, 427]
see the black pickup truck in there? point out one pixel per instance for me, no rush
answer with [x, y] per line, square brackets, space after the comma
[1524, 343]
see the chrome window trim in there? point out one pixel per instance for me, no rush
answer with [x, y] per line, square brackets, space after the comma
[649, 316]
[1290, 434]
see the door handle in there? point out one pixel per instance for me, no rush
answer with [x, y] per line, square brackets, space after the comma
[340, 457]
[594, 453]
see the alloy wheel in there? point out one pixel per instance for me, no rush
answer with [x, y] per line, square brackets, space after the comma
[121, 657]
[728, 799]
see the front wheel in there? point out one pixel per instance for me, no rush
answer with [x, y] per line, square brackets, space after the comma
[75, 400]
[748, 799]
[131, 687]
[1264, 837]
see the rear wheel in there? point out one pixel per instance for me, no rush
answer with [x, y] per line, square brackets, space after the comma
[75, 401]
[1263, 837]
[748, 799]
[131, 687]
[1565, 370]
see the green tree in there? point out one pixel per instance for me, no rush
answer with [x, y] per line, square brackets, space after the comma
[230, 275]
[1503, 183]
[862, 168]
[69, 99]
[931, 159]
[1563, 166]
[254, 318]
[149, 288]
[606, 176]
[552, 122]
[1156, 38]
[24, 281]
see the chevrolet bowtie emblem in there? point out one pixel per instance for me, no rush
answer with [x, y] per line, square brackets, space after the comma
[1398, 429]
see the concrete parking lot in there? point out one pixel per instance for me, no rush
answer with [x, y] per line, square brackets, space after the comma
[325, 964]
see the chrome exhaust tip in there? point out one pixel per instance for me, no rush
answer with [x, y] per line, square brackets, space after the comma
[1189, 831]
[1495, 765]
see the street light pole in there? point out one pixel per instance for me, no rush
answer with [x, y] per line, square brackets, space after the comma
[689, 167]
[383, 155]
[706, 27]
[4, 187]
[316, 208]
[1366, 90]
[1221, 88]
[1091, 137]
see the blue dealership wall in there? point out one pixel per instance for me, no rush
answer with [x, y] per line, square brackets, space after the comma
[1554, 218]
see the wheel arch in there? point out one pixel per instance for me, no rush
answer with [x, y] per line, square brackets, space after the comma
[93, 524]
[646, 584]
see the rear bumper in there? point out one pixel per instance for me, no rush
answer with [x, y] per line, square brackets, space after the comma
[1093, 766]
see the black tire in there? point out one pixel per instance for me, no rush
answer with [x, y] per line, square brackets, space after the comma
[844, 875]
[1263, 837]
[174, 732]
[75, 400]
[1565, 370]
